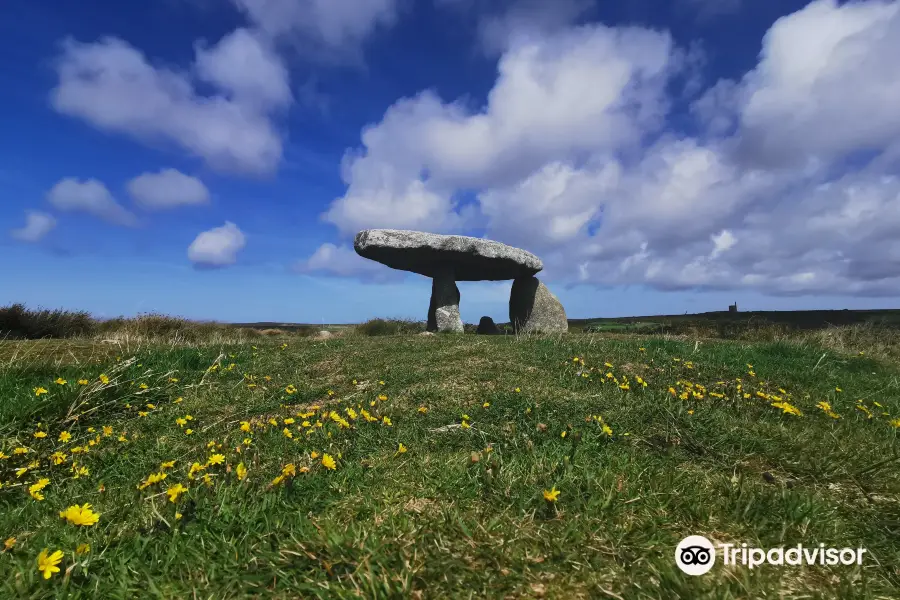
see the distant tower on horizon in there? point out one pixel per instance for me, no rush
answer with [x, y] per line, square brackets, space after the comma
[732, 307]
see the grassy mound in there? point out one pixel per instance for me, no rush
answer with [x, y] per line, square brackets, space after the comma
[410, 466]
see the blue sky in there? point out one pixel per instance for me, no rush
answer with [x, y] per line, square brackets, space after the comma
[213, 158]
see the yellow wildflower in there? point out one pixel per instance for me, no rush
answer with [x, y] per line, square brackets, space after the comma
[39, 390]
[787, 408]
[328, 462]
[826, 408]
[175, 491]
[9, 543]
[80, 515]
[216, 459]
[241, 471]
[36, 487]
[195, 468]
[47, 563]
[401, 448]
[151, 479]
[104, 379]
[551, 495]
[83, 548]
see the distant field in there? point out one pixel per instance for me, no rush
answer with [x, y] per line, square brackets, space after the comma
[295, 326]
[795, 319]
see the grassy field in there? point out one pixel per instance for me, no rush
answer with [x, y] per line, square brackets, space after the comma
[416, 467]
[724, 321]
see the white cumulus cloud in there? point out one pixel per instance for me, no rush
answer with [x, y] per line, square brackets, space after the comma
[217, 247]
[169, 188]
[338, 25]
[246, 66]
[37, 225]
[792, 186]
[113, 86]
[826, 85]
[589, 90]
[89, 196]
[343, 261]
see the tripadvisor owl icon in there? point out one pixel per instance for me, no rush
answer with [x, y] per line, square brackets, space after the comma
[695, 555]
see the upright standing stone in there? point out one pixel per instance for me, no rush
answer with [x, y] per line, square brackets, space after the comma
[534, 309]
[443, 312]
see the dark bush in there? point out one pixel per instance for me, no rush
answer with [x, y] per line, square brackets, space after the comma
[18, 322]
[390, 327]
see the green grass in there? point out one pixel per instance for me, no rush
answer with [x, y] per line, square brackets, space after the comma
[447, 518]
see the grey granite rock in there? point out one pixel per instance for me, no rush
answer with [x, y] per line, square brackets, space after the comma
[466, 258]
[534, 309]
[443, 312]
[486, 326]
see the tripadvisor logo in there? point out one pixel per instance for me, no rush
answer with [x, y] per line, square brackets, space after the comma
[696, 555]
